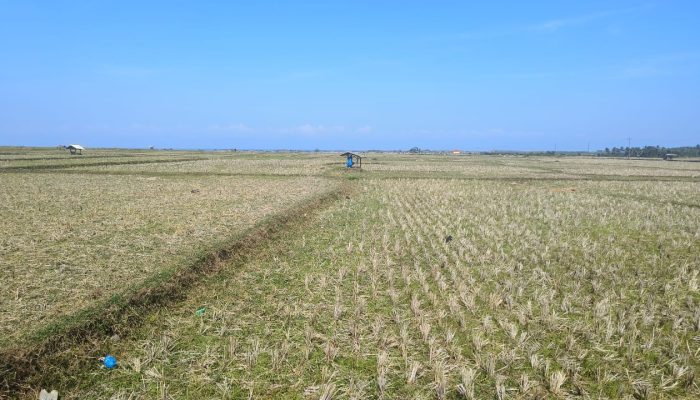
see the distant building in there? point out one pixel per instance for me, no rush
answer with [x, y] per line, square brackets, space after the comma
[670, 156]
[455, 152]
[75, 148]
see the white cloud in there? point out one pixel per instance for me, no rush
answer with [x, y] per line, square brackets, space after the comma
[559, 23]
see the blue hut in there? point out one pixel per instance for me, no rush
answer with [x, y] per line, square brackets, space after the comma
[352, 160]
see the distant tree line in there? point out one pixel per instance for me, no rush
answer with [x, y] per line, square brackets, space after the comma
[645, 152]
[650, 151]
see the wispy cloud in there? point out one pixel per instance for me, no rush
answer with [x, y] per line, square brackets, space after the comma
[580, 20]
[541, 27]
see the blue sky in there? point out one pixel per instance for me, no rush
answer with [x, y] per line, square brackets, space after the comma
[358, 75]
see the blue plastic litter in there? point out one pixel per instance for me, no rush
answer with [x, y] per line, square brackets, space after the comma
[110, 362]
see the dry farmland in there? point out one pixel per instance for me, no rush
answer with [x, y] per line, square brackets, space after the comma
[430, 277]
[71, 240]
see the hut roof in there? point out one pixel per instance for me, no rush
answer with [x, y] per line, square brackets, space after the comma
[347, 153]
[76, 146]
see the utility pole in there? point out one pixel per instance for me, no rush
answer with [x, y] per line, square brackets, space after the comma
[629, 148]
[588, 147]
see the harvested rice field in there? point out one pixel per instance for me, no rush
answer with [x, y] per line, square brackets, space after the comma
[72, 240]
[435, 277]
[288, 164]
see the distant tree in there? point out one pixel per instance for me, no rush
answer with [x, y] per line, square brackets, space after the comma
[414, 150]
[651, 151]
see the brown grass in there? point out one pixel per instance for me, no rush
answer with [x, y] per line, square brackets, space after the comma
[33, 363]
